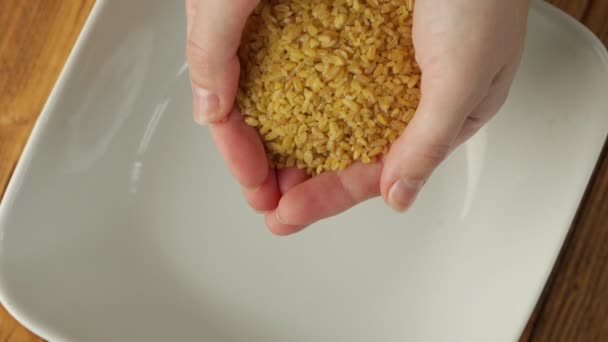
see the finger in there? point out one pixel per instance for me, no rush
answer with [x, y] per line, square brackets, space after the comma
[266, 197]
[329, 194]
[286, 179]
[214, 33]
[290, 177]
[491, 104]
[241, 147]
[279, 228]
[482, 114]
[191, 8]
[446, 102]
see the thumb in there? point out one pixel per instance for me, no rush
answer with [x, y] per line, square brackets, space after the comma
[214, 33]
[428, 138]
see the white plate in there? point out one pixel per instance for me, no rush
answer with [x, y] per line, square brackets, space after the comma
[122, 224]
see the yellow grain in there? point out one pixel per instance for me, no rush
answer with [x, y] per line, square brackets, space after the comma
[328, 82]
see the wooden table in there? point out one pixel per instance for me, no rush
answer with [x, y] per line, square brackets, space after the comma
[36, 37]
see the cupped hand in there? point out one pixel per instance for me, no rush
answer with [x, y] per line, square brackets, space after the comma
[468, 51]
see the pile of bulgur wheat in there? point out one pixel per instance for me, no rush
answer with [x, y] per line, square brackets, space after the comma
[328, 82]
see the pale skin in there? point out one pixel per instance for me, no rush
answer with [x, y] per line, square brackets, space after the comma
[468, 51]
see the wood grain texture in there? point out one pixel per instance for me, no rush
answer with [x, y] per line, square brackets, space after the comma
[592, 13]
[574, 303]
[35, 40]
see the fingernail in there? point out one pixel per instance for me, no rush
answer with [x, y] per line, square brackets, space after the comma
[276, 214]
[206, 106]
[402, 194]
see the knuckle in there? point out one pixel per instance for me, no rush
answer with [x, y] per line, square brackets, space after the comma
[473, 123]
[472, 88]
[462, 79]
[469, 129]
[434, 153]
[198, 57]
[503, 96]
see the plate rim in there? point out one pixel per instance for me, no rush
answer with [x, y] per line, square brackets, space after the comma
[601, 51]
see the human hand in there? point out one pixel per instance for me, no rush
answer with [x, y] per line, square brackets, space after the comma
[468, 51]
[214, 30]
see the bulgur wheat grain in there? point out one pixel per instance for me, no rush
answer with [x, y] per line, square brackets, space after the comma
[328, 82]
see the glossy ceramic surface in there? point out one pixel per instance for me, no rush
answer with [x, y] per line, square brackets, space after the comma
[121, 223]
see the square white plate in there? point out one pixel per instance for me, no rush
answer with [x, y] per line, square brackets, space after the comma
[121, 222]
